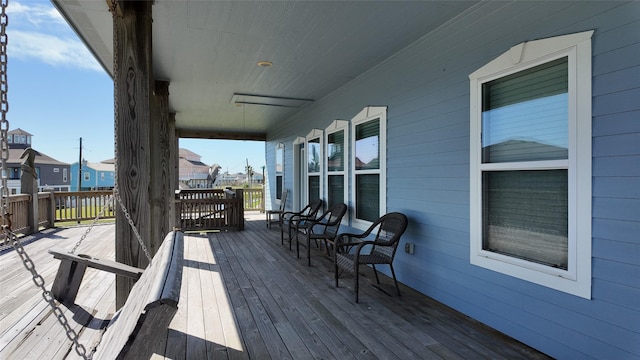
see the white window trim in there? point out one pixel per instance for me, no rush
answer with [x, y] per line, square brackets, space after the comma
[576, 279]
[334, 127]
[312, 135]
[299, 174]
[278, 147]
[367, 114]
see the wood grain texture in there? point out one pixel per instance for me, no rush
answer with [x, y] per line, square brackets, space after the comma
[133, 81]
[245, 296]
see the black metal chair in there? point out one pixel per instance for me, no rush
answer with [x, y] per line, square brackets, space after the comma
[279, 211]
[289, 219]
[324, 228]
[382, 248]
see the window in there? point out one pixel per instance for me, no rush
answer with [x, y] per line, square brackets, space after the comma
[314, 165]
[64, 175]
[530, 163]
[56, 170]
[14, 173]
[368, 164]
[336, 136]
[279, 170]
[9, 138]
[87, 176]
[102, 176]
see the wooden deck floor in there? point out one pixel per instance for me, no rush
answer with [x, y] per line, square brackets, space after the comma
[245, 296]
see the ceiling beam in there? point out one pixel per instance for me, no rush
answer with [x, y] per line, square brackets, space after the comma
[220, 135]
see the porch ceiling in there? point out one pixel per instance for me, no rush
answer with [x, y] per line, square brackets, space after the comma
[209, 51]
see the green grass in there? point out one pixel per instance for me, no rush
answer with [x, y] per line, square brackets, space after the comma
[87, 212]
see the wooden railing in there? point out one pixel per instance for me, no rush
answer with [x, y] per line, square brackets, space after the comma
[209, 209]
[18, 210]
[46, 210]
[83, 205]
[254, 199]
[201, 209]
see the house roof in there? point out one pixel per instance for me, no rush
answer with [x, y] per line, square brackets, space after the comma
[41, 158]
[209, 52]
[18, 131]
[101, 166]
[187, 154]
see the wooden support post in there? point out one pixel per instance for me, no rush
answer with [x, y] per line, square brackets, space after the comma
[240, 212]
[133, 85]
[29, 185]
[51, 216]
[173, 170]
[160, 189]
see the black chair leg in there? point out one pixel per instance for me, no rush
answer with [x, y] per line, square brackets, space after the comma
[376, 273]
[394, 279]
[355, 285]
[281, 232]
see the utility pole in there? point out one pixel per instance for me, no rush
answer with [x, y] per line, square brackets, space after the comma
[80, 168]
[248, 173]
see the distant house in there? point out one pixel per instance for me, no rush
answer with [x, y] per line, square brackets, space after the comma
[193, 172]
[95, 176]
[52, 174]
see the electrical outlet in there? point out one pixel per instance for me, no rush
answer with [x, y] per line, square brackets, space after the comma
[409, 248]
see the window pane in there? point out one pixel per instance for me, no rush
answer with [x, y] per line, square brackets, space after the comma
[314, 188]
[525, 215]
[278, 186]
[279, 160]
[368, 197]
[525, 115]
[335, 151]
[279, 169]
[367, 149]
[314, 155]
[335, 190]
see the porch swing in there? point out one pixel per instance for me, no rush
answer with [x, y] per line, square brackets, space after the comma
[145, 316]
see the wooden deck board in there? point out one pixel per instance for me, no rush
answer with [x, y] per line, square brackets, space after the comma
[246, 296]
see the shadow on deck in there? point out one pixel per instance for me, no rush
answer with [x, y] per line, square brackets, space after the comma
[245, 296]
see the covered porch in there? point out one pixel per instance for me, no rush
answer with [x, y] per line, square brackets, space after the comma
[246, 296]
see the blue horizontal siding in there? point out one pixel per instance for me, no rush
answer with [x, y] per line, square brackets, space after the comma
[616, 166]
[622, 251]
[616, 81]
[621, 123]
[426, 89]
[617, 187]
[619, 102]
[610, 271]
[619, 209]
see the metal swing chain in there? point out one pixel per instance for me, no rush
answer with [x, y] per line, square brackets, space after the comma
[4, 109]
[95, 221]
[10, 237]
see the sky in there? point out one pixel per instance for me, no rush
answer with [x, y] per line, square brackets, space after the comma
[59, 93]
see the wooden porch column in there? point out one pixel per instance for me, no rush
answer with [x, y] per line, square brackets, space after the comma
[161, 192]
[29, 186]
[133, 85]
[173, 168]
